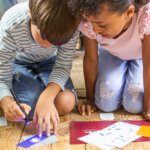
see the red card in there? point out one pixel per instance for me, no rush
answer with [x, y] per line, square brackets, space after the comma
[78, 129]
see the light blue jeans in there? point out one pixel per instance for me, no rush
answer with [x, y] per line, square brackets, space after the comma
[30, 79]
[119, 82]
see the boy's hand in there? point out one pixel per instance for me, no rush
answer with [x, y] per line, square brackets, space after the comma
[87, 107]
[44, 113]
[12, 111]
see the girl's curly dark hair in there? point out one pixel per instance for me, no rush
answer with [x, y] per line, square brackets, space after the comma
[92, 7]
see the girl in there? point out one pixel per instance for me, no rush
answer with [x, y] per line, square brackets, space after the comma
[117, 54]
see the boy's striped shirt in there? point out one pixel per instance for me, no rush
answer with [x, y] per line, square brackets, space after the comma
[16, 43]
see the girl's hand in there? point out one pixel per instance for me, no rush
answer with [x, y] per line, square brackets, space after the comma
[12, 111]
[146, 115]
[86, 108]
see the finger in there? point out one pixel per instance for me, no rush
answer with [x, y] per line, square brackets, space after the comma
[93, 109]
[9, 116]
[47, 125]
[26, 107]
[40, 125]
[83, 110]
[35, 121]
[57, 117]
[55, 124]
[79, 108]
[146, 116]
[17, 111]
[88, 109]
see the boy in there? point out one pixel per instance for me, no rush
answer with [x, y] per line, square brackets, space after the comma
[35, 61]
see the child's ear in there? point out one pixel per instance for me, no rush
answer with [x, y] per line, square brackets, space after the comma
[130, 11]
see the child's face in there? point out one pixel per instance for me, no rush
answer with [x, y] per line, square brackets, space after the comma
[37, 37]
[110, 25]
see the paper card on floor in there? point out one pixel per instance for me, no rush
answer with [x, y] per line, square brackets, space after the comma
[120, 134]
[3, 121]
[50, 140]
[80, 128]
[95, 140]
[32, 140]
[107, 116]
[117, 135]
[144, 131]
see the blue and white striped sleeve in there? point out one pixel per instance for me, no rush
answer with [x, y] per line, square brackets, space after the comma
[63, 64]
[7, 56]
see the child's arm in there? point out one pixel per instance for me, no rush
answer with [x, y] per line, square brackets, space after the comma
[90, 64]
[8, 50]
[46, 111]
[146, 67]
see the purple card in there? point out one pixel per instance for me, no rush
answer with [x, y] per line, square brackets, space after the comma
[32, 140]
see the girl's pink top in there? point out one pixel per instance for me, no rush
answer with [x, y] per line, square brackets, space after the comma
[129, 44]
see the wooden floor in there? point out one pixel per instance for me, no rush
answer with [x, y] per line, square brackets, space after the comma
[11, 134]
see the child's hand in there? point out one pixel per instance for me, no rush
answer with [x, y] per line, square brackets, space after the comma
[146, 115]
[87, 107]
[12, 111]
[44, 113]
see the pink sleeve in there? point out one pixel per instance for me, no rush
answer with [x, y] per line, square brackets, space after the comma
[144, 22]
[87, 29]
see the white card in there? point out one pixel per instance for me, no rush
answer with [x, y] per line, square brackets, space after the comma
[3, 121]
[50, 140]
[96, 141]
[120, 134]
[117, 135]
[107, 116]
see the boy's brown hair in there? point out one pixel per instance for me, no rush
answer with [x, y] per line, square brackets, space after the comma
[53, 19]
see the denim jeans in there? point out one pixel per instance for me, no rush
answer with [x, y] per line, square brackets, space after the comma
[5, 4]
[30, 79]
[119, 82]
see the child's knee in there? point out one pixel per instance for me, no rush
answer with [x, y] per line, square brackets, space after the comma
[133, 108]
[133, 98]
[106, 98]
[65, 102]
[106, 105]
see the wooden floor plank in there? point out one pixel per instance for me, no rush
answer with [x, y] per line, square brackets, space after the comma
[91, 147]
[146, 145]
[13, 132]
[64, 138]
[63, 144]
[10, 135]
[136, 146]
[123, 115]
